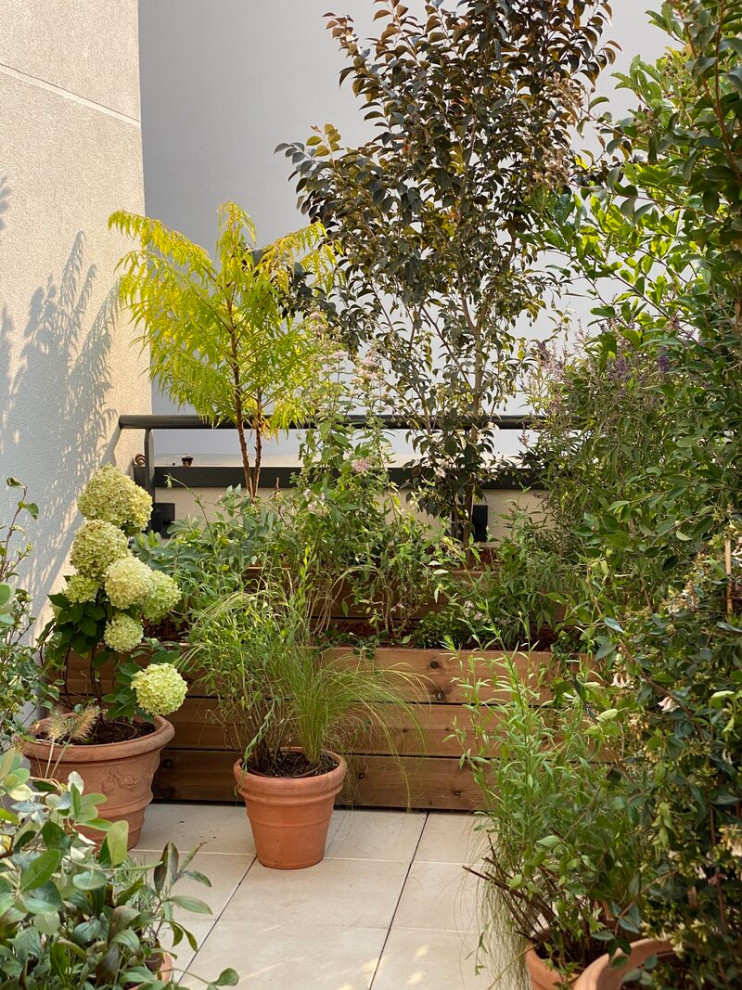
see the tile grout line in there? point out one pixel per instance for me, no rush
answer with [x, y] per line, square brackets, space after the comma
[401, 894]
[218, 917]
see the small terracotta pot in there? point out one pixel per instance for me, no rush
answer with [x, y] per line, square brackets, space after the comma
[600, 975]
[542, 977]
[165, 972]
[123, 771]
[289, 816]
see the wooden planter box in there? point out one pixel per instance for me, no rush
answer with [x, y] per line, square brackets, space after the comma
[197, 766]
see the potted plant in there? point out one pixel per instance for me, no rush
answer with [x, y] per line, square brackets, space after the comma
[115, 741]
[679, 667]
[71, 915]
[564, 848]
[289, 708]
[242, 338]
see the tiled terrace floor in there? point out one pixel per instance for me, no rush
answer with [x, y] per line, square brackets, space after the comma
[389, 908]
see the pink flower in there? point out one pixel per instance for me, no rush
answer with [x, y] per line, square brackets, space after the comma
[361, 465]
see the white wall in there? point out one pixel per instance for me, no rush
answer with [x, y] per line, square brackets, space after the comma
[70, 135]
[225, 81]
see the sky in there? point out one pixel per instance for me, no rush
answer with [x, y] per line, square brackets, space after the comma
[225, 81]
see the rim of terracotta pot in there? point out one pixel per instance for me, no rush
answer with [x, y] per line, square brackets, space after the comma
[319, 783]
[600, 975]
[39, 748]
[164, 973]
[539, 972]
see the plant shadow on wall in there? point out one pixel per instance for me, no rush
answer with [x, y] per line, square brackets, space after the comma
[54, 385]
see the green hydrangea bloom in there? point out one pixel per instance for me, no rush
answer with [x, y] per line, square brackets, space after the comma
[96, 546]
[164, 594]
[81, 589]
[115, 498]
[160, 688]
[122, 633]
[128, 582]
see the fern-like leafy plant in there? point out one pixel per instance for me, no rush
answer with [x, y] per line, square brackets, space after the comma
[240, 337]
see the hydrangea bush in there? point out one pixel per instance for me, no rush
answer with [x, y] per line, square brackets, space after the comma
[103, 610]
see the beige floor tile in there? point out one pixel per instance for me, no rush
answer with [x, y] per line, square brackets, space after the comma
[449, 838]
[366, 834]
[221, 828]
[432, 960]
[225, 874]
[342, 892]
[440, 896]
[291, 957]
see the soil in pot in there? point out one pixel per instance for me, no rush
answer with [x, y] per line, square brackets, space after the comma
[121, 770]
[290, 815]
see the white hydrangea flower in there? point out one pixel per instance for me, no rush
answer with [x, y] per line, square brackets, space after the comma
[160, 688]
[128, 582]
[81, 589]
[115, 498]
[122, 633]
[164, 594]
[96, 546]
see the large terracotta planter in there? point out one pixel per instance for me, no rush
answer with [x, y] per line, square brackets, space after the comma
[600, 975]
[123, 771]
[290, 816]
[165, 972]
[542, 977]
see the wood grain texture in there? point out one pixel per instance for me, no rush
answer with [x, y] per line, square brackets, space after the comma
[425, 773]
[373, 781]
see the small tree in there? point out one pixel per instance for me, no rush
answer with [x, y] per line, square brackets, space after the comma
[432, 218]
[240, 337]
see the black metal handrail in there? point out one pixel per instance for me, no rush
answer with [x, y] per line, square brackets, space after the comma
[156, 421]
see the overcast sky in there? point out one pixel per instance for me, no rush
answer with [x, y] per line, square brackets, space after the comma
[225, 81]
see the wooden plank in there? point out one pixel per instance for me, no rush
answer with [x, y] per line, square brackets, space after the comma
[196, 727]
[374, 781]
[439, 672]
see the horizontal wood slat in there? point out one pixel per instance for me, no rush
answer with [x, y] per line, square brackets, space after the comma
[424, 774]
[438, 670]
[426, 734]
[373, 781]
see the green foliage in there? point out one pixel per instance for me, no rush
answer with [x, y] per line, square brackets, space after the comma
[210, 556]
[73, 917]
[101, 613]
[511, 603]
[660, 213]
[240, 337]
[274, 686]
[362, 545]
[679, 669]
[473, 107]
[563, 838]
[20, 677]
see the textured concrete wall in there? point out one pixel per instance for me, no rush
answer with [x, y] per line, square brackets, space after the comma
[70, 136]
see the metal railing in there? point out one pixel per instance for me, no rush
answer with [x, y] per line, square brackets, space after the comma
[146, 473]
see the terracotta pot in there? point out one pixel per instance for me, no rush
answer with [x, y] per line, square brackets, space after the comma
[165, 972]
[600, 975]
[542, 977]
[289, 816]
[123, 771]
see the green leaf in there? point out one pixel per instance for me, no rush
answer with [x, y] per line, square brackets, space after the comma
[40, 869]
